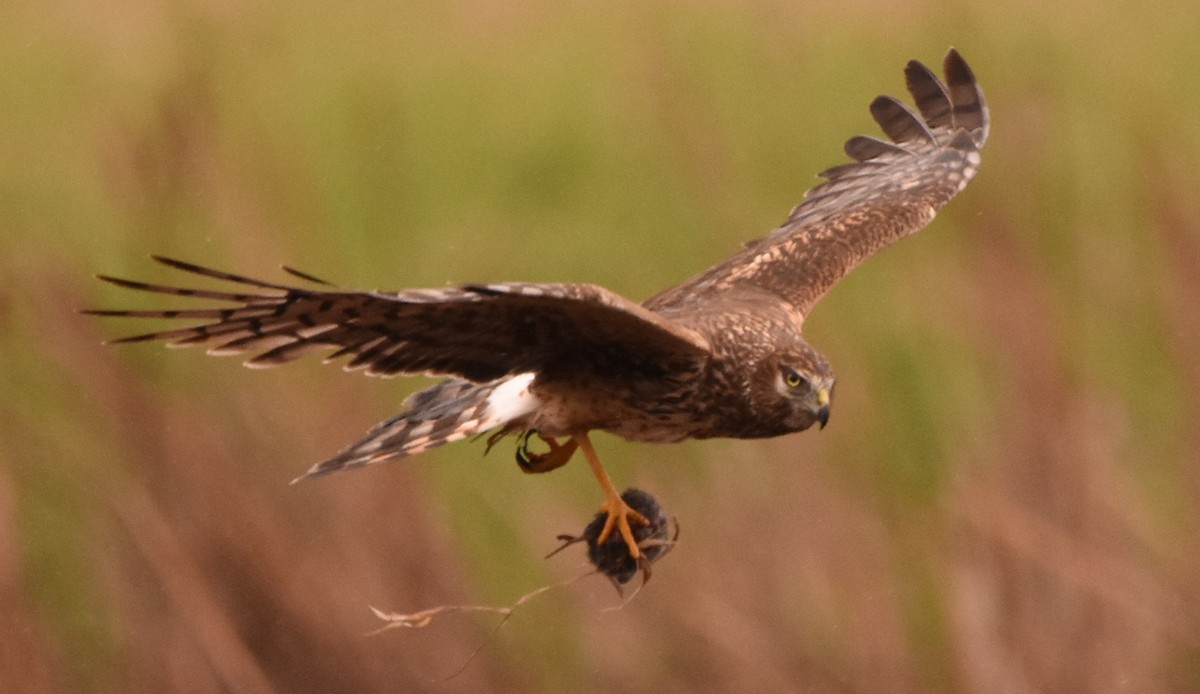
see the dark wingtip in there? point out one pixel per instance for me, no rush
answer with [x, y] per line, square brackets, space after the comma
[305, 276]
[898, 121]
[115, 280]
[101, 312]
[177, 264]
[915, 70]
[132, 339]
[929, 94]
[863, 148]
[970, 107]
[956, 68]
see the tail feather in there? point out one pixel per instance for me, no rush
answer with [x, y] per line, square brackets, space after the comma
[431, 401]
[449, 411]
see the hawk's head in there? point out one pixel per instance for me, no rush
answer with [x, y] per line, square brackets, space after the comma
[800, 383]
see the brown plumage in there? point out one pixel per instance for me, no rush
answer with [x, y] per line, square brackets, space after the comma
[719, 355]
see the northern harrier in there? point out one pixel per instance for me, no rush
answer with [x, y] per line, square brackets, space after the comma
[720, 355]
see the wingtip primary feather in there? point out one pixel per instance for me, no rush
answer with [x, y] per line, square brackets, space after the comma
[864, 148]
[929, 94]
[132, 339]
[305, 276]
[970, 110]
[898, 121]
[121, 282]
[178, 291]
[179, 264]
[218, 274]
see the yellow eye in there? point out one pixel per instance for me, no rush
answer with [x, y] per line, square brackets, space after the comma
[792, 379]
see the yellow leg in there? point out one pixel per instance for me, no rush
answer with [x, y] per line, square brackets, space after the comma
[619, 512]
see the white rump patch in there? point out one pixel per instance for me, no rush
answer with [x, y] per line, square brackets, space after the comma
[511, 400]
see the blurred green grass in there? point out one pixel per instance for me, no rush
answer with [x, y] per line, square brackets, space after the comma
[1007, 497]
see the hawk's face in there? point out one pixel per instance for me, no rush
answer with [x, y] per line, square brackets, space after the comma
[801, 383]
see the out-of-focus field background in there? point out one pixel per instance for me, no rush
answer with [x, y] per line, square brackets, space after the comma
[1008, 496]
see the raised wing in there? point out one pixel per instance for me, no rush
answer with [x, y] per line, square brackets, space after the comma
[891, 190]
[476, 332]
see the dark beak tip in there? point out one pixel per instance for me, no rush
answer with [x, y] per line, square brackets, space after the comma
[823, 416]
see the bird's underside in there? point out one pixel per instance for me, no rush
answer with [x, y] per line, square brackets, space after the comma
[719, 355]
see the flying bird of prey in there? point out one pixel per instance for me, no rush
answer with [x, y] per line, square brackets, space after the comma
[721, 354]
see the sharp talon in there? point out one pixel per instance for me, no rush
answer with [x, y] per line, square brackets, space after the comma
[644, 566]
[556, 457]
[526, 458]
[619, 516]
[613, 558]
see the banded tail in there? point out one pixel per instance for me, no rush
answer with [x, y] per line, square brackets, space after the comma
[448, 411]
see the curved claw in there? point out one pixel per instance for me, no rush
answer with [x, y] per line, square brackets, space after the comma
[556, 457]
[525, 457]
[619, 515]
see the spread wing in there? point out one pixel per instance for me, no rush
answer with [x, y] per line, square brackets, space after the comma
[891, 190]
[476, 332]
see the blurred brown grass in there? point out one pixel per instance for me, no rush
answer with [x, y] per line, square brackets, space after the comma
[1008, 496]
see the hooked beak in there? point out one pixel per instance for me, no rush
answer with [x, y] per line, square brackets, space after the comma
[823, 411]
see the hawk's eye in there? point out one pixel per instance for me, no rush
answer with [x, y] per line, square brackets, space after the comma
[792, 379]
